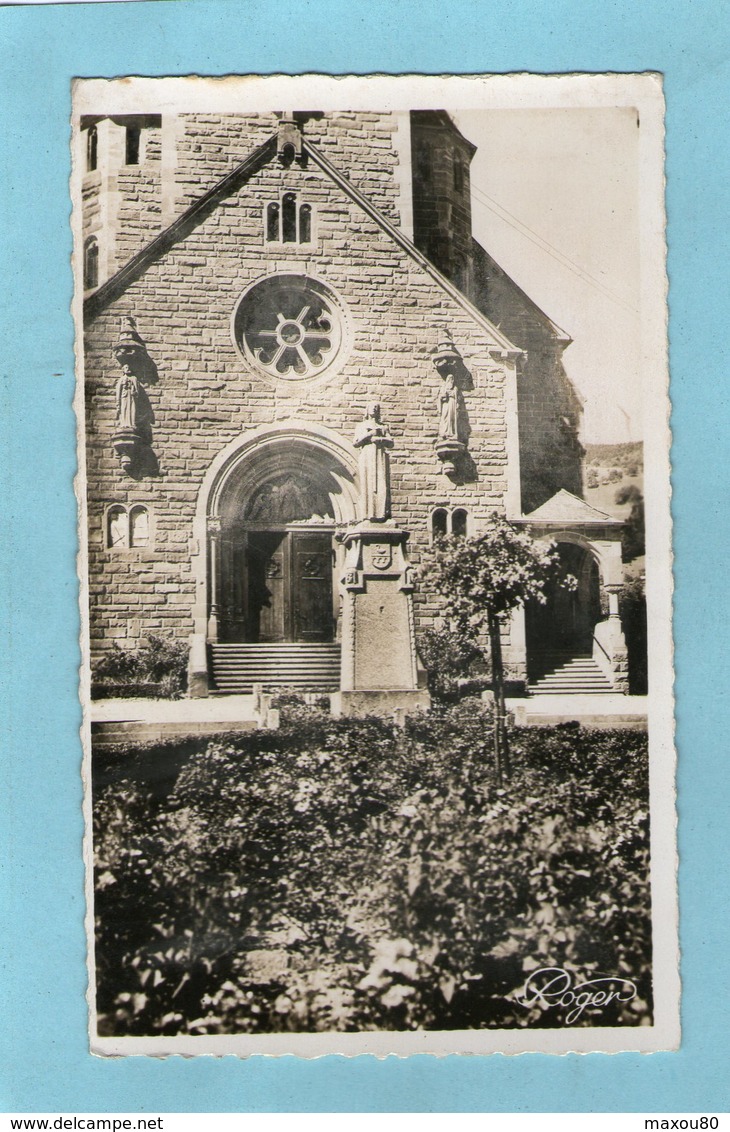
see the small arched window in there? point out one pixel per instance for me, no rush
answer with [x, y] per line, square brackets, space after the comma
[289, 221]
[91, 263]
[92, 149]
[305, 224]
[458, 522]
[116, 520]
[289, 218]
[132, 139]
[439, 522]
[272, 221]
[447, 521]
[127, 529]
[139, 527]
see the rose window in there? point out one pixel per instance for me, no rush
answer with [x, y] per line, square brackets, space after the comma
[289, 326]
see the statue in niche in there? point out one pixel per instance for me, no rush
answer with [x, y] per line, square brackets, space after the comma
[134, 415]
[374, 441]
[449, 414]
[134, 411]
[453, 426]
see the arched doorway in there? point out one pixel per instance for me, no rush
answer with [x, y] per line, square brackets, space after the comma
[277, 559]
[272, 513]
[564, 625]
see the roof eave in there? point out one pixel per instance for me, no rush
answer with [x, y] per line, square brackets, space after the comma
[503, 343]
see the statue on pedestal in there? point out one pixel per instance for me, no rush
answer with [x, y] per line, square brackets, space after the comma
[374, 441]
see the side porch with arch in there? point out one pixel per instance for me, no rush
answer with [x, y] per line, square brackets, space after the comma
[580, 625]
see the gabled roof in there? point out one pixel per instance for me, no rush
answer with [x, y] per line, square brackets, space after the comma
[200, 208]
[566, 508]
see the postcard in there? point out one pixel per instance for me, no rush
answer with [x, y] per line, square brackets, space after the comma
[376, 580]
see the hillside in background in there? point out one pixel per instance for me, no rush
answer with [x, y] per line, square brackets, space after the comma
[614, 471]
[622, 456]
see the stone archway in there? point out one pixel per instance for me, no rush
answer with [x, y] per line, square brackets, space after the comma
[566, 622]
[267, 560]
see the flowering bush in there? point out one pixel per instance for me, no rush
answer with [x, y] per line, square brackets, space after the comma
[350, 875]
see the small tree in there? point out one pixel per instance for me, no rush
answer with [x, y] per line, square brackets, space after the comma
[481, 580]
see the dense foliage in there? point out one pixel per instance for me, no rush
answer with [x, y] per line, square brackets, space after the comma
[349, 875]
[479, 581]
[632, 607]
[488, 576]
[633, 535]
[160, 661]
[451, 661]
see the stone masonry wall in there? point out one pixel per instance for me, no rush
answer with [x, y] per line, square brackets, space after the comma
[441, 197]
[208, 395]
[140, 191]
[549, 410]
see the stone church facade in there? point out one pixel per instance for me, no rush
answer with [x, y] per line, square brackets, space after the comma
[299, 369]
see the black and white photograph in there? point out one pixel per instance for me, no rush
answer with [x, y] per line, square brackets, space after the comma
[375, 564]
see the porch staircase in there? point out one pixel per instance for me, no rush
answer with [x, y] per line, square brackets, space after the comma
[306, 667]
[568, 674]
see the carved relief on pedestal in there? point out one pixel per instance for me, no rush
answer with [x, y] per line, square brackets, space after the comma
[453, 424]
[132, 438]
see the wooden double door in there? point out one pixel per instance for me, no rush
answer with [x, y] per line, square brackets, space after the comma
[288, 586]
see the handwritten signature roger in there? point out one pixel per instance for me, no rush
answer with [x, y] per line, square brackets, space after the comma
[554, 986]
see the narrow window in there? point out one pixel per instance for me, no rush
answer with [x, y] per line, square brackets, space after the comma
[92, 146]
[458, 523]
[305, 224]
[131, 153]
[289, 218]
[438, 523]
[116, 527]
[458, 174]
[272, 222]
[91, 263]
[139, 527]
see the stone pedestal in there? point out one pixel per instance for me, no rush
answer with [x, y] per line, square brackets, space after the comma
[450, 453]
[379, 663]
[198, 667]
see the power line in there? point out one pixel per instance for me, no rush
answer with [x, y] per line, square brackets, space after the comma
[537, 235]
[535, 238]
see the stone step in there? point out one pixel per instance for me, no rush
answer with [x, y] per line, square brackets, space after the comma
[106, 734]
[303, 666]
[562, 674]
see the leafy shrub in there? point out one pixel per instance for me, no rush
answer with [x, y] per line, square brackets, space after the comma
[632, 607]
[448, 658]
[629, 493]
[349, 875]
[159, 661]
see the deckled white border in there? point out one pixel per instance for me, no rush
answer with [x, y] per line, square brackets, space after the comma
[236, 94]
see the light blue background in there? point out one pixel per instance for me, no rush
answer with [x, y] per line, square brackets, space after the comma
[45, 1065]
